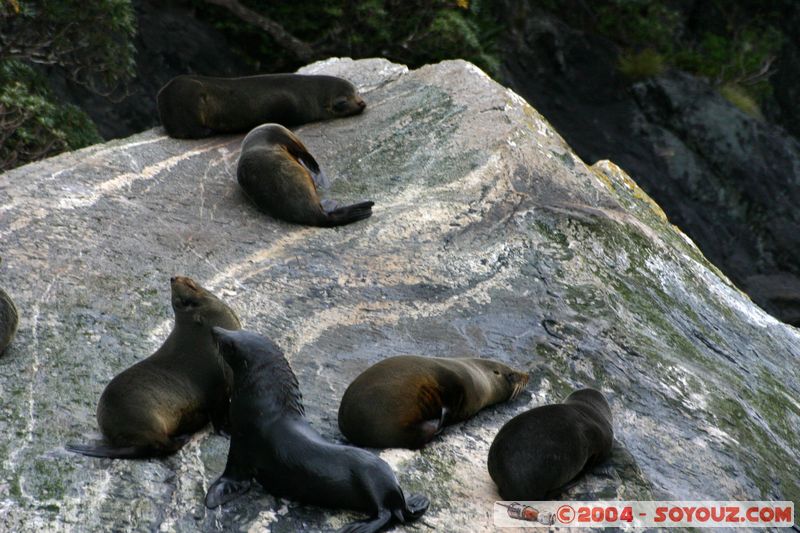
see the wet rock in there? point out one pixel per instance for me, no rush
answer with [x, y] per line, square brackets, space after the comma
[490, 237]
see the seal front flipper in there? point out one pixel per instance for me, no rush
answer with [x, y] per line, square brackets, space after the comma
[236, 479]
[302, 156]
[224, 490]
[348, 214]
[428, 429]
[219, 415]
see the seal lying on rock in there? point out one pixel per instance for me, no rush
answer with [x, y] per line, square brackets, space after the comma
[279, 174]
[272, 442]
[153, 407]
[191, 107]
[405, 401]
[539, 451]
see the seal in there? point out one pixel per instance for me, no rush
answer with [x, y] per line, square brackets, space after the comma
[9, 319]
[404, 401]
[272, 441]
[536, 453]
[281, 177]
[192, 107]
[153, 407]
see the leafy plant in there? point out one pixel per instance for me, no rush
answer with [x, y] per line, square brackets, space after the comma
[413, 32]
[733, 44]
[32, 126]
[90, 41]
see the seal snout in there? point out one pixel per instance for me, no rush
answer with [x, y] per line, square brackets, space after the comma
[518, 381]
[186, 282]
[360, 103]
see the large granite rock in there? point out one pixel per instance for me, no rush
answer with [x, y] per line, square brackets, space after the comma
[490, 237]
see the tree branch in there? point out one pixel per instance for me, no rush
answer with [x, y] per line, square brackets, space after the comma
[299, 49]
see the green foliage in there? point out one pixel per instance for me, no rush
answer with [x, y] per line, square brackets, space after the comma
[91, 41]
[640, 24]
[413, 32]
[641, 65]
[738, 58]
[730, 43]
[31, 125]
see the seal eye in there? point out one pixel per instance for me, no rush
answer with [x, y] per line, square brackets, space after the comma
[340, 105]
[496, 372]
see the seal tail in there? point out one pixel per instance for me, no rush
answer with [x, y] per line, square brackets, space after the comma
[347, 214]
[111, 452]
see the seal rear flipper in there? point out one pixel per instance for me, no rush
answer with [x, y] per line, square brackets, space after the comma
[372, 525]
[416, 505]
[224, 490]
[347, 214]
[102, 449]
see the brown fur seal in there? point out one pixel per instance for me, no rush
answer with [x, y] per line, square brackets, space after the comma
[539, 451]
[404, 401]
[153, 407]
[191, 107]
[8, 320]
[281, 177]
[272, 442]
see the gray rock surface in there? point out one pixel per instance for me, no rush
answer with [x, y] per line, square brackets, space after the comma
[490, 237]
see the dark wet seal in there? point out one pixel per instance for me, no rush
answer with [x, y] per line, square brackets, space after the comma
[272, 442]
[538, 452]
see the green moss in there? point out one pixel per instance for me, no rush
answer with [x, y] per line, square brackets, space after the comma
[641, 65]
[725, 42]
[741, 99]
[391, 162]
[750, 437]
